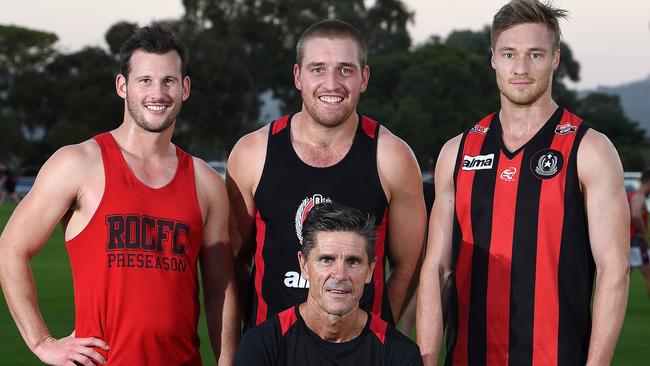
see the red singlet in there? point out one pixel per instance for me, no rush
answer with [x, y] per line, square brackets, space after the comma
[134, 266]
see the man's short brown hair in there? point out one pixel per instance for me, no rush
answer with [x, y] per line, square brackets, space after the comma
[528, 11]
[332, 29]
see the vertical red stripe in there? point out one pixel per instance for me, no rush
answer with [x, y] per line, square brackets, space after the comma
[549, 236]
[464, 181]
[378, 276]
[259, 268]
[378, 327]
[500, 259]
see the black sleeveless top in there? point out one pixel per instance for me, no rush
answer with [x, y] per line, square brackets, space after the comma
[287, 190]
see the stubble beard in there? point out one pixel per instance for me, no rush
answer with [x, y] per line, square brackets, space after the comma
[330, 118]
[138, 116]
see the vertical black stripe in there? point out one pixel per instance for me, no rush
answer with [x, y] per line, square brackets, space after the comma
[576, 270]
[482, 202]
[524, 253]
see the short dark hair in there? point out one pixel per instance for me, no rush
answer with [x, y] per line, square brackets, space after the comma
[330, 217]
[332, 29]
[528, 11]
[155, 38]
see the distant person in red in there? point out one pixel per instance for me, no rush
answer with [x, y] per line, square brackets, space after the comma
[338, 258]
[527, 254]
[639, 228]
[138, 213]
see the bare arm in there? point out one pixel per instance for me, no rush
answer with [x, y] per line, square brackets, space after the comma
[601, 177]
[57, 186]
[245, 166]
[219, 288]
[401, 178]
[436, 269]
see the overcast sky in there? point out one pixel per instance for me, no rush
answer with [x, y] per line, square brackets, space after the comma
[610, 39]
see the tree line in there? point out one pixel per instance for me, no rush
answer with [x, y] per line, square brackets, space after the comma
[424, 93]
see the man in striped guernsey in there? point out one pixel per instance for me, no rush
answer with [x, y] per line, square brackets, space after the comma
[325, 152]
[530, 208]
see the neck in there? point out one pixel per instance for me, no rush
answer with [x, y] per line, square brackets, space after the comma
[308, 131]
[517, 119]
[333, 328]
[139, 142]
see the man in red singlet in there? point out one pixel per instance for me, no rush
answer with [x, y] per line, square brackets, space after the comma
[639, 229]
[138, 213]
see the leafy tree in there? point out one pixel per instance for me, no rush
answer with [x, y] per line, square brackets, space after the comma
[23, 55]
[117, 34]
[430, 95]
[604, 112]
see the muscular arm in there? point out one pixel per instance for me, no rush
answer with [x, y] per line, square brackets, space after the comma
[401, 179]
[245, 166]
[436, 269]
[219, 288]
[601, 177]
[57, 186]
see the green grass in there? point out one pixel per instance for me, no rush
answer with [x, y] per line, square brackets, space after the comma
[54, 284]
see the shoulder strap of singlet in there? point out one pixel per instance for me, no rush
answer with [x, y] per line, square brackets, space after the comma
[370, 127]
[378, 327]
[287, 319]
[111, 156]
[279, 125]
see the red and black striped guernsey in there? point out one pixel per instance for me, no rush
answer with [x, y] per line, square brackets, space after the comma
[523, 269]
[287, 190]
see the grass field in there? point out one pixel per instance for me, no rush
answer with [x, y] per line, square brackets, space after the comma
[54, 284]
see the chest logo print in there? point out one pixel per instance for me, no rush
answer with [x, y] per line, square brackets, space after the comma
[546, 163]
[509, 174]
[306, 205]
[566, 128]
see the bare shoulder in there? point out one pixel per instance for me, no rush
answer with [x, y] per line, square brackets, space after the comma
[68, 173]
[208, 181]
[250, 147]
[392, 148]
[395, 157]
[444, 172]
[398, 168]
[598, 159]
[246, 160]
[73, 161]
[449, 151]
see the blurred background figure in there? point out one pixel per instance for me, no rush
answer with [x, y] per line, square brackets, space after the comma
[639, 229]
[8, 185]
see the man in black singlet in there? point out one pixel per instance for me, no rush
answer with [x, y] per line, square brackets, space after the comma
[325, 152]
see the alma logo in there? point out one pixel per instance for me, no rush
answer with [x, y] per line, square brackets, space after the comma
[295, 280]
[478, 162]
